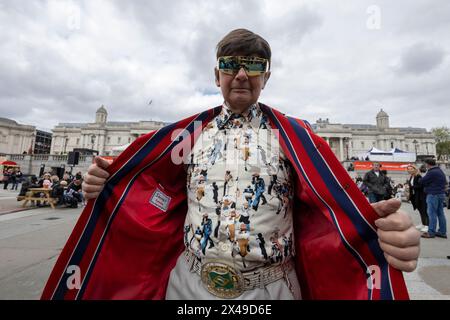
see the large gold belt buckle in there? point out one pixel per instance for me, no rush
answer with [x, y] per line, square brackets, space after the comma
[222, 280]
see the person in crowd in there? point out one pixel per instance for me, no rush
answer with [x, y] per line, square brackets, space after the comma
[377, 183]
[362, 186]
[31, 182]
[19, 176]
[417, 196]
[434, 184]
[73, 194]
[399, 191]
[7, 178]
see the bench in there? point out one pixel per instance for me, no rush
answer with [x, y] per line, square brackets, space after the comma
[31, 196]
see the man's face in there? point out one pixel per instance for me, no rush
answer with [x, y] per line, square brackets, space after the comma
[376, 166]
[239, 90]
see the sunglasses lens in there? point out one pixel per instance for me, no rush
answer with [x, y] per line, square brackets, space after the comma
[252, 65]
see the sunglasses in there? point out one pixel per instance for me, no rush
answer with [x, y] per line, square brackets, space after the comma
[253, 66]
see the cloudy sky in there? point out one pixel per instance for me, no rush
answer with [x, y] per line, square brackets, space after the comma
[61, 60]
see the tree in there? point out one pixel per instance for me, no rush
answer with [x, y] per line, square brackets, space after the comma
[442, 137]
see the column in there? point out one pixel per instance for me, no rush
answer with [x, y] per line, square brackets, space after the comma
[350, 149]
[341, 149]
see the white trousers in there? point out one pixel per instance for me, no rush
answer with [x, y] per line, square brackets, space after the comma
[187, 285]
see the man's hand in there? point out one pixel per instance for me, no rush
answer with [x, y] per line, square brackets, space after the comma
[398, 238]
[95, 178]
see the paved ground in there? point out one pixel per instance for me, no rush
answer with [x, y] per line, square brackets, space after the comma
[31, 240]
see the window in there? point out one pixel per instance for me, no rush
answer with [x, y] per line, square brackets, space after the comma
[392, 144]
[362, 144]
[129, 139]
[352, 144]
[374, 143]
[78, 141]
[108, 139]
[119, 139]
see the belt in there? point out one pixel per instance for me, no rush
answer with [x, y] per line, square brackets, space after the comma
[225, 281]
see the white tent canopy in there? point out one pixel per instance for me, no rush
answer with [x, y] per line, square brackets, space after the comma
[395, 155]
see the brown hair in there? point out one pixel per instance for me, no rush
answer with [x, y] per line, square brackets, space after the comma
[244, 42]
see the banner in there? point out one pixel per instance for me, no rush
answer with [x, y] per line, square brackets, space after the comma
[389, 166]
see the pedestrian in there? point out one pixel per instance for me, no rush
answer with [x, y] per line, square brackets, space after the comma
[7, 178]
[435, 183]
[377, 183]
[417, 196]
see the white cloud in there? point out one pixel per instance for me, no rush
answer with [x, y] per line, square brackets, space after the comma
[61, 60]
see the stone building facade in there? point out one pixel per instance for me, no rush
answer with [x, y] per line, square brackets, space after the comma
[16, 138]
[354, 140]
[102, 135]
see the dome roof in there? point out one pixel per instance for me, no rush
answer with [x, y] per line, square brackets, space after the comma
[382, 114]
[102, 110]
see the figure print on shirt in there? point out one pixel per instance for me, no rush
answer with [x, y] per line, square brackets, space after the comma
[216, 151]
[187, 230]
[206, 234]
[248, 195]
[236, 196]
[259, 186]
[277, 248]
[262, 245]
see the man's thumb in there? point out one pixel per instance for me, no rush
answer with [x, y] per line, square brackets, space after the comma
[102, 163]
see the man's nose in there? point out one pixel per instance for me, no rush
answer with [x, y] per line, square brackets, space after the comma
[242, 74]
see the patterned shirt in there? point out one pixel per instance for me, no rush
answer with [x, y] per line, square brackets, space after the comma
[240, 192]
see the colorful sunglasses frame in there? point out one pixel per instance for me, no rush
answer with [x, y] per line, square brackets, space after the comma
[253, 66]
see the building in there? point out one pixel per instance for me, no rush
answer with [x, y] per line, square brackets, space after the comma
[15, 138]
[102, 135]
[43, 142]
[354, 140]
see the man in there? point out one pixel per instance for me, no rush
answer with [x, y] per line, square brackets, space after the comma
[129, 242]
[377, 183]
[434, 183]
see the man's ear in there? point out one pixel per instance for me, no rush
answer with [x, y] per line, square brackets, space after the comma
[216, 74]
[266, 78]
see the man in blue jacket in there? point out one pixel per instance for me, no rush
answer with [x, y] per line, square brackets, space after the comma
[434, 183]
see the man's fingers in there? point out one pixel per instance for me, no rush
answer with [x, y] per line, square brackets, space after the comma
[398, 221]
[93, 180]
[405, 254]
[402, 239]
[102, 163]
[386, 207]
[406, 266]
[89, 188]
[95, 170]
[92, 195]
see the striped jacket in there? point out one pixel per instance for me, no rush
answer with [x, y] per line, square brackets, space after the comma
[127, 241]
